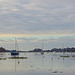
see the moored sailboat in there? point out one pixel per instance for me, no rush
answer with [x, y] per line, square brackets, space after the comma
[15, 52]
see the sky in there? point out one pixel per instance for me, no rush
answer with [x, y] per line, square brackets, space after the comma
[37, 22]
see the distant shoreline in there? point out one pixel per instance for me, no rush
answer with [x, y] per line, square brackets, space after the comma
[41, 50]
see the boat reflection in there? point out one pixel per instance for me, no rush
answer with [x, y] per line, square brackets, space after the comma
[17, 58]
[2, 54]
[2, 58]
[65, 56]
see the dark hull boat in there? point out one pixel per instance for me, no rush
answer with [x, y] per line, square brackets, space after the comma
[14, 52]
[42, 52]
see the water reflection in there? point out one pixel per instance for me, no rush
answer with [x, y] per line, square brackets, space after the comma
[37, 64]
[2, 58]
[17, 57]
[2, 55]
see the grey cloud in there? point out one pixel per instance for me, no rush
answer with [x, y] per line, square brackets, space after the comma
[1, 40]
[48, 43]
[40, 15]
[63, 39]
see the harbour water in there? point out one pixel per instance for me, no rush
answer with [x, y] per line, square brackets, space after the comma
[37, 64]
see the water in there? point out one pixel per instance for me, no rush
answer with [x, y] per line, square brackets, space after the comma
[37, 64]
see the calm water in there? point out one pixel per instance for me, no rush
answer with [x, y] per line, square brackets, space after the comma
[37, 64]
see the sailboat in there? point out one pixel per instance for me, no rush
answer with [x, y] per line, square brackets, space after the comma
[42, 52]
[14, 52]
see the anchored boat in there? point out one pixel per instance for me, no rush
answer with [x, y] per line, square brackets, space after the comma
[14, 52]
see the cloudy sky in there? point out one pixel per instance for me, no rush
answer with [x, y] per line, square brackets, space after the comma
[37, 22]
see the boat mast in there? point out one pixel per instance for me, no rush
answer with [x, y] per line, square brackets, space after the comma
[63, 49]
[16, 45]
[42, 46]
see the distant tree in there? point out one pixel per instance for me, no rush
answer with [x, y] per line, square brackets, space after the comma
[37, 50]
[63, 50]
[2, 49]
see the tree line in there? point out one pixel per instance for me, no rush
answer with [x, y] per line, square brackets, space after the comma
[40, 50]
[55, 50]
